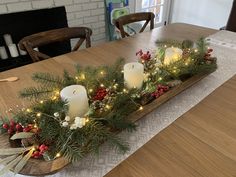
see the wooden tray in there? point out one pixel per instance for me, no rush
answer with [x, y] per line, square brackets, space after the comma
[40, 167]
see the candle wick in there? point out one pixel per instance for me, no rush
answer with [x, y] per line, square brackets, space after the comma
[74, 92]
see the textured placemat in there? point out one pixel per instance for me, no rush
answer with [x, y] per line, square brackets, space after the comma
[162, 117]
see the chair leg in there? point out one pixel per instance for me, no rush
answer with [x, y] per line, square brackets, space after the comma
[79, 43]
[88, 39]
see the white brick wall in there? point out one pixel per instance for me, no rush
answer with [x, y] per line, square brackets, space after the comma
[88, 13]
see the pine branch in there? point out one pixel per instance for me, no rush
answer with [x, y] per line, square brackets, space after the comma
[168, 43]
[68, 80]
[48, 80]
[117, 143]
[36, 92]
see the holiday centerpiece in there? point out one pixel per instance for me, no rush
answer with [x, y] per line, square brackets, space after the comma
[72, 116]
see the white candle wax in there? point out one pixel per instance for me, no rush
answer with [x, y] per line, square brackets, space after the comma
[134, 75]
[76, 96]
[13, 50]
[8, 39]
[3, 53]
[22, 52]
[172, 54]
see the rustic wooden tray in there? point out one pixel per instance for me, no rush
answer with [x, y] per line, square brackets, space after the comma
[36, 167]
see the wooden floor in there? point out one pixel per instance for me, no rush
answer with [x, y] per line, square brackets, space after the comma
[201, 143]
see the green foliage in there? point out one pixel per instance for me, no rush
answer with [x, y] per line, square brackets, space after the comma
[91, 78]
[104, 123]
[193, 63]
[2, 121]
[122, 107]
[48, 80]
[35, 93]
[75, 144]
[186, 44]
[168, 43]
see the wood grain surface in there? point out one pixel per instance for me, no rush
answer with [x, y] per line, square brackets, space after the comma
[201, 143]
[105, 53]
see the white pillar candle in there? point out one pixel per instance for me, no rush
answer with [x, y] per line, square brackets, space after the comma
[22, 52]
[3, 53]
[172, 54]
[134, 75]
[76, 96]
[8, 39]
[13, 50]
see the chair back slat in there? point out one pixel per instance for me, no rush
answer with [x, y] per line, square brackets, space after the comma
[136, 17]
[41, 39]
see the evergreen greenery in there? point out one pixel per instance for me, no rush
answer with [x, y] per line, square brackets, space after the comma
[104, 122]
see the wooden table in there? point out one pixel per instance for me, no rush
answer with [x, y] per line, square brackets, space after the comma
[201, 143]
[105, 53]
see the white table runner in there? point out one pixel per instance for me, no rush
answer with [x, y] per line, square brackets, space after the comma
[224, 45]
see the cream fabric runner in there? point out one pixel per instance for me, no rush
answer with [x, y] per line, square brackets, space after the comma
[224, 45]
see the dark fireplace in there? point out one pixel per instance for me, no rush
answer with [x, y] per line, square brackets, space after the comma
[22, 24]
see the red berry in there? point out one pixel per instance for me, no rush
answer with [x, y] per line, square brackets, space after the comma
[26, 129]
[42, 147]
[210, 50]
[166, 89]
[36, 154]
[5, 126]
[12, 123]
[18, 127]
[10, 131]
[30, 125]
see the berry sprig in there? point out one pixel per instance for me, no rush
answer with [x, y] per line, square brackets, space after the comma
[143, 56]
[38, 153]
[14, 127]
[161, 89]
[208, 54]
[100, 94]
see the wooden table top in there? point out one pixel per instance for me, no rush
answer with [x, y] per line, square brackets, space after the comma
[105, 53]
[201, 143]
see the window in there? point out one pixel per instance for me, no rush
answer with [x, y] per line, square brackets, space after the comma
[159, 7]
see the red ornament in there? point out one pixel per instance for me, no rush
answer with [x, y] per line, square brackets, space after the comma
[161, 89]
[5, 126]
[100, 94]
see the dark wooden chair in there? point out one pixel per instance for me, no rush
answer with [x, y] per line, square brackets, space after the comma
[136, 17]
[231, 24]
[41, 39]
